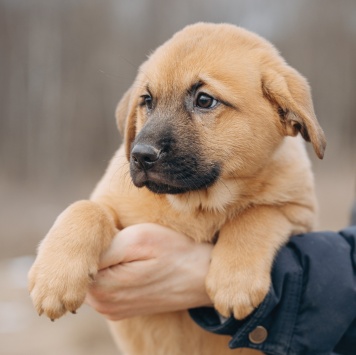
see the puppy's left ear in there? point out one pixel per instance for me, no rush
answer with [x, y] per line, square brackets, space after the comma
[290, 93]
[126, 121]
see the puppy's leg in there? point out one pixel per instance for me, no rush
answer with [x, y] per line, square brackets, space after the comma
[68, 258]
[239, 274]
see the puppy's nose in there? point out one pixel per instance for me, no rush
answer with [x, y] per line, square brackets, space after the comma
[144, 156]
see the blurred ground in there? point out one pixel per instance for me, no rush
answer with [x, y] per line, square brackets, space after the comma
[23, 332]
[63, 67]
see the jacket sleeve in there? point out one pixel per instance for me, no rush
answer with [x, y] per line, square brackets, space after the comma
[311, 306]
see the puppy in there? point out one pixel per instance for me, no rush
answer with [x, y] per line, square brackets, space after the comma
[213, 129]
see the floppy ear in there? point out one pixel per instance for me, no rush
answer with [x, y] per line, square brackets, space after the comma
[126, 121]
[290, 92]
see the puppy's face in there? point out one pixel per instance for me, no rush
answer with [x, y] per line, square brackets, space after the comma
[212, 104]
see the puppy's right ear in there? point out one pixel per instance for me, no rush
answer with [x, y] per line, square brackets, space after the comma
[290, 92]
[126, 121]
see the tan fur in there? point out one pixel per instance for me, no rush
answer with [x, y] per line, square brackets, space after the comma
[264, 194]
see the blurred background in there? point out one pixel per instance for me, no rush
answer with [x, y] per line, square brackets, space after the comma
[63, 67]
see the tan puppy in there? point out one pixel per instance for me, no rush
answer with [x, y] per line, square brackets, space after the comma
[209, 125]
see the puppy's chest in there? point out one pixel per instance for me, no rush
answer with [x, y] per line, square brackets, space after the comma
[202, 227]
[145, 207]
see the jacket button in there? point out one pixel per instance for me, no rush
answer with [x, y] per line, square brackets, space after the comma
[258, 335]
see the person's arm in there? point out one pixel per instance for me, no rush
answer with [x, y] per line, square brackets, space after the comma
[310, 309]
[311, 306]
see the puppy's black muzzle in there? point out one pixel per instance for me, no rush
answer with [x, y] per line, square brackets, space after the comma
[167, 165]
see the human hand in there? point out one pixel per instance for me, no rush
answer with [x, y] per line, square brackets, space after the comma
[150, 269]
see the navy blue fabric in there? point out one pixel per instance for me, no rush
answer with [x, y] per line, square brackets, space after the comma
[311, 306]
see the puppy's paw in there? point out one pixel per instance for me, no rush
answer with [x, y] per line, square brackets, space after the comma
[58, 285]
[236, 292]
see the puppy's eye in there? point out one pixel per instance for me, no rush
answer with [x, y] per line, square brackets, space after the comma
[147, 101]
[205, 101]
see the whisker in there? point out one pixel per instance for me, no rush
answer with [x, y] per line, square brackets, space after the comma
[115, 76]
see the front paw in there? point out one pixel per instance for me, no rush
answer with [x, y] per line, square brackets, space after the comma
[236, 292]
[58, 285]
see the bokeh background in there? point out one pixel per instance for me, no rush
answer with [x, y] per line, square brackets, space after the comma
[63, 67]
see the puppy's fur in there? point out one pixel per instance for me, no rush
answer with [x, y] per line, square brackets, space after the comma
[210, 128]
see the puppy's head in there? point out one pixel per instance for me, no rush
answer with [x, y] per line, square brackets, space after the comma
[211, 104]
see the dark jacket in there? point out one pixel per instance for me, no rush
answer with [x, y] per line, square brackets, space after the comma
[311, 306]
